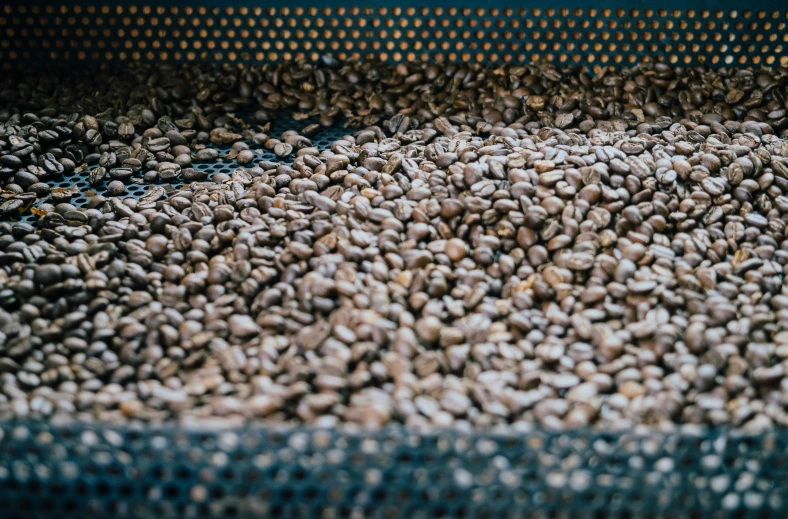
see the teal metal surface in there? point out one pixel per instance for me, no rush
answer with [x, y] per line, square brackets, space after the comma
[85, 471]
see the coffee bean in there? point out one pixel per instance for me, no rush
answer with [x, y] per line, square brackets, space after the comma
[508, 255]
[245, 157]
[282, 150]
[242, 326]
[455, 249]
[190, 174]
[168, 170]
[207, 155]
[47, 274]
[121, 173]
[116, 188]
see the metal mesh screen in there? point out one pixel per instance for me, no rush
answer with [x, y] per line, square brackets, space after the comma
[593, 33]
[81, 471]
[282, 122]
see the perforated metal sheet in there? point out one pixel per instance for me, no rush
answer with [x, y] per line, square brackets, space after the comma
[85, 471]
[592, 32]
[282, 122]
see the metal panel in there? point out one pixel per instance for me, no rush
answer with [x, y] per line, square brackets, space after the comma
[89, 471]
[589, 33]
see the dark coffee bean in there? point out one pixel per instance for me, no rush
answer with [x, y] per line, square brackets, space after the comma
[116, 188]
[207, 155]
[47, 274]
[472, 252]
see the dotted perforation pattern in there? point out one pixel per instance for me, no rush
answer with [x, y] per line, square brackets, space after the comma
[281, 122]
[87, 471]
[585, 35]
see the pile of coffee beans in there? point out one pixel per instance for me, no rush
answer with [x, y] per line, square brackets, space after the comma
[488, 246]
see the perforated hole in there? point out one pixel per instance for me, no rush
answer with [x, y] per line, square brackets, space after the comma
[506, 34]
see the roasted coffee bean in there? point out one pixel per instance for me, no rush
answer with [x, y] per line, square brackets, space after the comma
[245, 157]
[120, 173]
[207, 155]
[116, 188]
[483, 248]
[283, 149]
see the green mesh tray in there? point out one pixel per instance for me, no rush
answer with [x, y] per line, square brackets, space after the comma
[93, 471]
